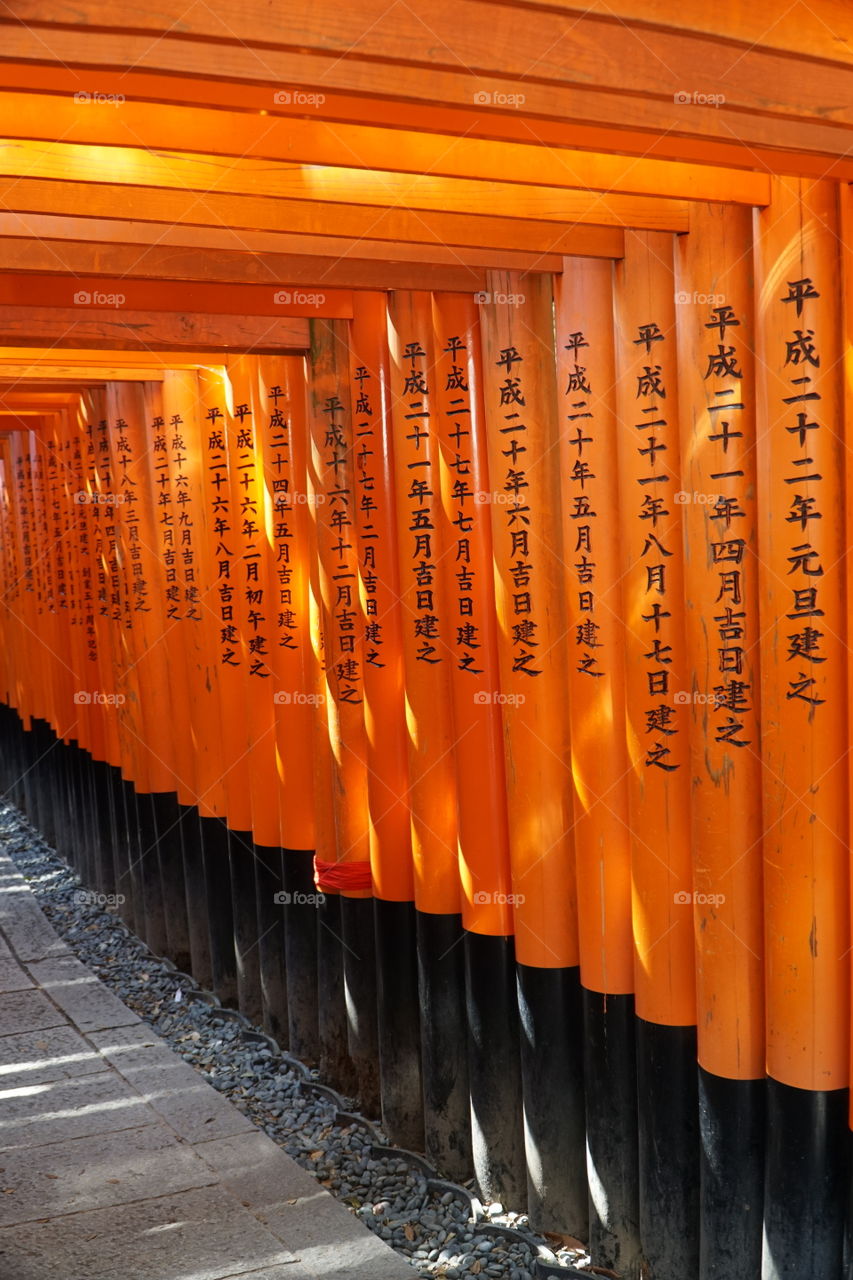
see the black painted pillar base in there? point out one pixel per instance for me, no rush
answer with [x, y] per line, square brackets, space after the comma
[359, 956]
[170, 860]
[551, 1028]
[105, 842]
[195, 888]
[217, 879]
[668, 1112]
[88, 862]
[731, 1187]
[270, 906]
[301, 956]
[241, 852]
[399, 1025]
[123, 853]
[152, 888]
[805, 1189]
[494, 1070]
[335, 1064]
[444, 1044]
[610, 1077]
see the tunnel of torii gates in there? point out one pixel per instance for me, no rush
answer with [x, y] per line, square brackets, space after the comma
[423, 572]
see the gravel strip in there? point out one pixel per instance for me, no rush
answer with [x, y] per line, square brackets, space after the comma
[429, 1225]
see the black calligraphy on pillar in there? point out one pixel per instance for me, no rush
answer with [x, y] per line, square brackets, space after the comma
[426, 621]
[371, 551]
[804, 479]
[654, 508]
[582, 442]
[457, 435]
[184, 523]
[340, 524]
[525, 625]
[287, 622]
[252, 537]
[220, 522]
[732, 695]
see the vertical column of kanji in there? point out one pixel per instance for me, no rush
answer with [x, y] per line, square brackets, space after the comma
[524, 466]
[467, 576]
[252, 615]
[224, 796]
[422, 538]
[398, 1009]
[341, 721]
[657, 731]
[714, 316]
[283, 411]
[803, 686]
[586, 379]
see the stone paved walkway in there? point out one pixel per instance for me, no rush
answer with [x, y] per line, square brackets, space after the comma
[118, 1162]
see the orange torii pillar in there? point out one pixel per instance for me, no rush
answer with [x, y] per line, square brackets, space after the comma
[420, 544]
[343, 875]
[716, 344]
[805, 662]
[221, 771]
[520, 396]
[590, 503]
[254, 621]
[658, 749]
[284, 431]
[64, 533]
[398, 1006]
[483, 833]
[113, 774]
[144, 657]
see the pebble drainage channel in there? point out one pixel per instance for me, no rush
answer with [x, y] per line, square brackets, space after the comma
[441, 1228]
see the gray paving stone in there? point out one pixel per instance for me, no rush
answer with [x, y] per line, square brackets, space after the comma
[196, 1235]
[173, 1088]
[257, 1171]
[24, 927]
[94, 1172]
[52, 1053]
[26, 1011]
[69, 1109]
[87, 1002]
[12, 976]
[335, 1249]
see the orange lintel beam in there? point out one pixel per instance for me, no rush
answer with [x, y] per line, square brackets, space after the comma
[317, 142]
[542, 41]
[452, 99]
[249, 223]
[101, 293]
[15, 375]
[136, 167]
[122, 330]
[36, 242]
